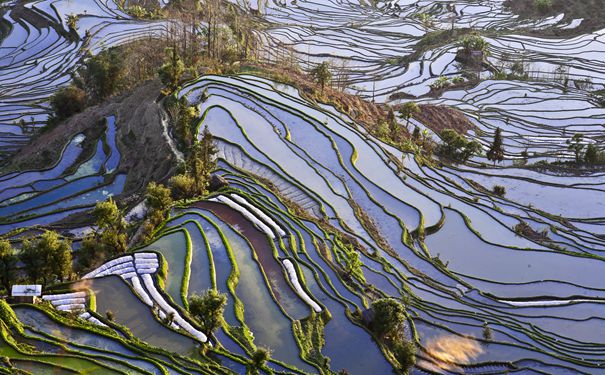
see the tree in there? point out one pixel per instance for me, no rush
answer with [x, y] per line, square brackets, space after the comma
[575, 144]
[158, 197]
[111, 227]
[353, 265]
[202, 161]
[389, 317]
[208, 309]
[47, 257]
[8, 260]
[475, 42]
[407, 111]
[171, 72]
[496, 152]
[426, 20]
[456, 147]
[183, 119]
[67, 101]
[487, 332]
[182, 186]
[593, 156]
[405, 353]
[101, 76]
[72, 21]
[322, 75]
[258, 359]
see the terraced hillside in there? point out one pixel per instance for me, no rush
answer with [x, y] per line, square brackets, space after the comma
[310, 218]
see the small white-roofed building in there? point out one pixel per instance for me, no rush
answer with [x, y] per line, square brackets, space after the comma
[26, 293]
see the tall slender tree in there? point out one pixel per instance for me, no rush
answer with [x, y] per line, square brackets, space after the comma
[496, 151]
[322, 75]
[407, 111]
[8, 260]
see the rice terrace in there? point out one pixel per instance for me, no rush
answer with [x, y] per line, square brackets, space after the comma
[302, 187]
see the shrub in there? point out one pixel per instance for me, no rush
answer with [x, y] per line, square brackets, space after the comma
[208, 309]
[456, 147]
[499, 190]
[593, 156]
[258, 359]
[542, 5]
[182, 186]
[405, 353]
[389, 317]
[102, 75]
[487, 332]
[474, 42]
[67, 101]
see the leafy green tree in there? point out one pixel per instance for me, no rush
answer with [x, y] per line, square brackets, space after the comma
[67, 101]
[8, 261]
[389, 318]
[158, 197]
[407, 111]
[182, 186]
[576, 145]
[259, 359]
[110, 236]
[183, 117]
[322, 75]
[353, 265]
[426, 20]
[202, 161]
[456, 147]
[208, 309]
[47, 258]
[474, 42]
[72, 21]
[496, 151]
[593, 156]
[101, 76]
[172, 71]
[405, 353]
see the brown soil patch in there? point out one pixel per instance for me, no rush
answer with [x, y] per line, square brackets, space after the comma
[439, 117]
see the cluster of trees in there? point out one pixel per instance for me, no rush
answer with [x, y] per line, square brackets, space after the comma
[97, 78]
[456, 147]
[44, 259]
[388, 321]
[192, 181]
[322, 75]
[207, 309]
[200, 162]
[108, 239]
[227, 36]
[585, 153]
[184, 120]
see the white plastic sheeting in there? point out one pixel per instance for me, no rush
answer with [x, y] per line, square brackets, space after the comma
[299, 290]
[107, 266]
[138, 288]
[247, 214]
[260, 214]
[161, 302]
